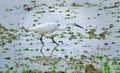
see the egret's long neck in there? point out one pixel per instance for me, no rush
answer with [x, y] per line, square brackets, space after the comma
[63, 28]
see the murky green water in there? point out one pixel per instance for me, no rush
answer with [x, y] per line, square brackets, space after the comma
[78, 47]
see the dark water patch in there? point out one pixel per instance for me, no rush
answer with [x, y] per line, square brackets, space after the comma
[7, 58]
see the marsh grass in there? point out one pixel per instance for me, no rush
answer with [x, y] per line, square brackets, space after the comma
[106, 67]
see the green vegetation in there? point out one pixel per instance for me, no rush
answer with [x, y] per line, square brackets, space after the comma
[94, 63]
[7, 35]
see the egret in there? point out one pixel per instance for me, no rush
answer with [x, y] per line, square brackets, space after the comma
[49, 28]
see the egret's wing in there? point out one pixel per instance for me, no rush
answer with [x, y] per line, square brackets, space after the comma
[44, 28]
[34, 28]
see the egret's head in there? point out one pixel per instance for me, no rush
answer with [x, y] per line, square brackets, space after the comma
[75, 25]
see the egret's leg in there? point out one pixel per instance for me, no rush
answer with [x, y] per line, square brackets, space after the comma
[54, 40]
[42, 45]
[41, 39]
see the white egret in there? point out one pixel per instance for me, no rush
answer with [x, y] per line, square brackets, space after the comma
[49, 28]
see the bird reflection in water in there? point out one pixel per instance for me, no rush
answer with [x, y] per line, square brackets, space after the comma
[51, 52]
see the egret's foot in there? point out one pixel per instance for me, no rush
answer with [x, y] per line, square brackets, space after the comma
[54, 41]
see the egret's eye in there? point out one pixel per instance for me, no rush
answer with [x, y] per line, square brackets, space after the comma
[33, 24]
[58, 25]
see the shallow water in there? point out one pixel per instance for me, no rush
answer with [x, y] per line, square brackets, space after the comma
[26, 45]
